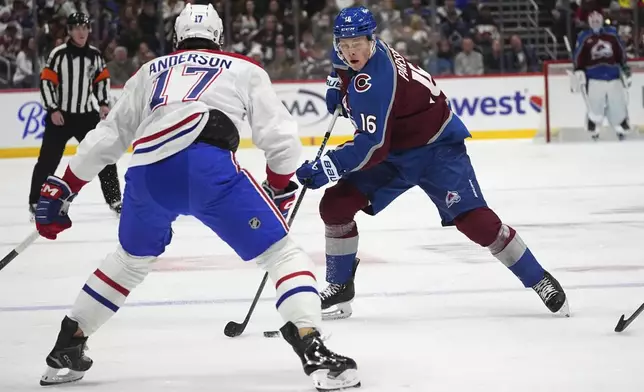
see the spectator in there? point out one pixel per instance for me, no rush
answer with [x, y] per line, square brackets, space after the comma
[148, 22]
[268, 26]
[519, 58]
[447, 10]
[493, 58]
[142, 55]
[469, 61]
[485, 27]
[417, 8]
[454, 28]
[10, 42]
[441, 63]
[64, 8]
[256, 54]
[121, 68]
[249, 18]
[282, 67]
[387, 16]
[267, 36]
[130, 36]
[25, 61]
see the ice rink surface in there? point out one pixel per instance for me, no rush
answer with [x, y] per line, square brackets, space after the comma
[434, 312]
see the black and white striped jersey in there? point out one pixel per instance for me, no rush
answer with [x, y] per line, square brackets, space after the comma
[75, 79]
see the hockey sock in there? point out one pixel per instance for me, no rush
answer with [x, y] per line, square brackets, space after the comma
[291, 270]
[107, 288]
[341, 251]
[510, 249]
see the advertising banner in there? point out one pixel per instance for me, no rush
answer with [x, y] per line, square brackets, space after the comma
[492, 107]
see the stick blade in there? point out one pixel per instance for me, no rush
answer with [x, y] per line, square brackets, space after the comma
[621, 324]
[233, 329]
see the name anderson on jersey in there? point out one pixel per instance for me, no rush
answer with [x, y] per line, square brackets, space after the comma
[202, 59]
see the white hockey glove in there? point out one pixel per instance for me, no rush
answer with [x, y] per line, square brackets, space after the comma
[577, 81]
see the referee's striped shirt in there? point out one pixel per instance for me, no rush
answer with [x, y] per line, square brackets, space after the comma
[75, 80]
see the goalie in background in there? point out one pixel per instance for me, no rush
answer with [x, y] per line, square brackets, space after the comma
[602, 76]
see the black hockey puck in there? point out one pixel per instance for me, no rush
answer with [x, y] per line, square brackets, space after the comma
[271, 334]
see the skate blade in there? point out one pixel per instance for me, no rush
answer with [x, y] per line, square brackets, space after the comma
[51, 376]
[565, 309]
[324, 381]
[337, 312]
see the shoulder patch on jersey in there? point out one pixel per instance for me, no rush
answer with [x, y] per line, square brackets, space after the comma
[362, 82]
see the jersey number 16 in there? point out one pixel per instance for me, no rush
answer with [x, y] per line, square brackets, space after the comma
[424, 78]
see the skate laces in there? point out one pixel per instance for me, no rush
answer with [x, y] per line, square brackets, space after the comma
[321, 352]
[331, 290]
[545, 289]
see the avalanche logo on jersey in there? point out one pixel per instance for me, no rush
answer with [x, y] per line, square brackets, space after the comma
[452, 198]
[362, 82]
[601, 50]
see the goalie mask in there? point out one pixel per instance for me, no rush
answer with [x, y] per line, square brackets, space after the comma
[595, 21]
[198, 21]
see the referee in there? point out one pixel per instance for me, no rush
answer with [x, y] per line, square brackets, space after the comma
[74, 87]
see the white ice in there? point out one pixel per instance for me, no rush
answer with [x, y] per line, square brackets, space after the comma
[434, 312]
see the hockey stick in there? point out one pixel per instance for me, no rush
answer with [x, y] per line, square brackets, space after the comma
[623, 323]
[19, 249]
[234, 329]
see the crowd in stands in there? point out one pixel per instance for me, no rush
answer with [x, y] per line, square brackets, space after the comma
[460, 38]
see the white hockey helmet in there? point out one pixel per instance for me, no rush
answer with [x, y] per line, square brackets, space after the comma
[198, 21]
[595, 21]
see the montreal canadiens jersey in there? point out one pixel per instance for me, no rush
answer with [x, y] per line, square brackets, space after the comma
[164, 107]
[600, 54]
[394, 106]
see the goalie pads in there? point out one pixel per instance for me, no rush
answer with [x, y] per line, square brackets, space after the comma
[577, 81]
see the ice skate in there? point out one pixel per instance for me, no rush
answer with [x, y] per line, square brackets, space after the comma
[117, 206]
[68, 353]
[552, 295]
[592, 129]
[337, 298]
[623, 130]
[329, 371]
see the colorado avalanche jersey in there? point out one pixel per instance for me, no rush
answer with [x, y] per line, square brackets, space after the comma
[600, 54]
[164, 107]
[394, 106]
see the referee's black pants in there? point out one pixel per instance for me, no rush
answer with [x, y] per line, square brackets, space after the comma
[76, 125]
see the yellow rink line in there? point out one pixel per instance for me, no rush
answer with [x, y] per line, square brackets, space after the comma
[24, 152]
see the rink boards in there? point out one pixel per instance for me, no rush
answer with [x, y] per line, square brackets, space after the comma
[493, 107]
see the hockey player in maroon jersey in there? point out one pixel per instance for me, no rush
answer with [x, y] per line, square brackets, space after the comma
[406, 136]
[602, 76]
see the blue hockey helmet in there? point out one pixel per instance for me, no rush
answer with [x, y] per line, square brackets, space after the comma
[353, 22]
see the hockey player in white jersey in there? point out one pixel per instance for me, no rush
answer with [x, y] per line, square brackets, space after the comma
[181, 113]
[602, 76]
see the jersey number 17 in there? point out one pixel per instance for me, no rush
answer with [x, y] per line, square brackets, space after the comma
[163, 92]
